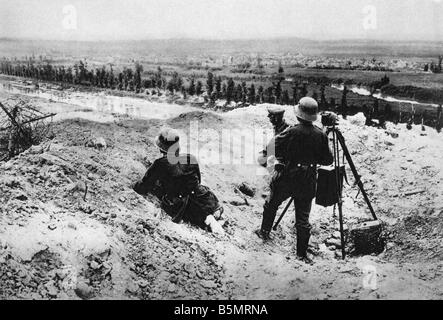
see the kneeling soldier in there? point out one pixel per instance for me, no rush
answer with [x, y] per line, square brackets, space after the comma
[175, 179]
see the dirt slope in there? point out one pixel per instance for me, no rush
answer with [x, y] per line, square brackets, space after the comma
[71, 226]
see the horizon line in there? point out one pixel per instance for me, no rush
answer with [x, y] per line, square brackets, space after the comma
[271, 38]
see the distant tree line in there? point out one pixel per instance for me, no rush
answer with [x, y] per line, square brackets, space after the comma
[434, 67]
[131, 79]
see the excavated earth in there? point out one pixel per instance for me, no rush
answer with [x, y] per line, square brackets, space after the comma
[72, 228]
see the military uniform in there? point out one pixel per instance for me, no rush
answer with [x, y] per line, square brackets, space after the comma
[281, 127]
[279, 124]
[299, 149]
[178, 186]
[276, 117]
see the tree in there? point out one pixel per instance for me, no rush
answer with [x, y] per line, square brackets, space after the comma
[269, 95]
[285, 97]
[224, 90]
[440, 60]
[191, 89]
[295, 94]
[230, 90]
[251, 94]
[344, 101]
[244, 92]
[210, 83]
[315, 96]
[218, 86]
[138, 76]
[385, 80]
[111, 79]
[176, 82]
[170, 86]
[237, 93]
[260, 94]
[81, 72]
[199, 88]
[280, 68]
[323, 101]
[304, 90]
[278, 92]
[76, 74]
[120, 81]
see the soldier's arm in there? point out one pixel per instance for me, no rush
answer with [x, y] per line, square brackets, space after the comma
[281, 143]
[326, 157]
[151, 176]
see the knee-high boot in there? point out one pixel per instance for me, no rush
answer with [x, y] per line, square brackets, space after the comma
[302, 242]
[268, 219]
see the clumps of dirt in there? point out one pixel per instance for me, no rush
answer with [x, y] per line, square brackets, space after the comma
[246, 189]
[97, 273]
[174, 268]
[39, 278]
[204, 118]
[417, 237]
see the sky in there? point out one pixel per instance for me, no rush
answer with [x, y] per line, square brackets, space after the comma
[222, 19]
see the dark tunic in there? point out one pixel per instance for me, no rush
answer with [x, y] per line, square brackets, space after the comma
[301, 148]
[263, 156]
[281, 127]
[177, 185]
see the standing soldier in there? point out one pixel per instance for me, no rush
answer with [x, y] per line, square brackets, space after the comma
[298, 151]
[275, 116]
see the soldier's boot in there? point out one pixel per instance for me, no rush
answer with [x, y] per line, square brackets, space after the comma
[302, 246]
[264, 235]
[267, 222]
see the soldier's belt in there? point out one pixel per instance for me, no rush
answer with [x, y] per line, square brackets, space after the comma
[305, 166]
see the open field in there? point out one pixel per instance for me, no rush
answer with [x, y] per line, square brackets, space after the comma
[194, 58]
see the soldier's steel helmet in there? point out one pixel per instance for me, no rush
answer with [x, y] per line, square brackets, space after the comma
[307, 109]
[166, 139]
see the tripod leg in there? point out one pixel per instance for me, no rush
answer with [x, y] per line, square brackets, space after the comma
[342, 237]
[341, 139]
[283, 214]
[339, 190]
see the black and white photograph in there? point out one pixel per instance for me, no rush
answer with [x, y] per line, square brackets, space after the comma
[225, 150]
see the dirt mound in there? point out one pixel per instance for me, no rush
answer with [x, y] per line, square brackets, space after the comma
[204, 118]
[72, 227]
[418, 237]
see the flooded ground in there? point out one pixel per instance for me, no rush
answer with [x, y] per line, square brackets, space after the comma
[388, 108]
[97, 106]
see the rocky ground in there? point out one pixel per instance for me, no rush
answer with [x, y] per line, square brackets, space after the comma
[72, 228]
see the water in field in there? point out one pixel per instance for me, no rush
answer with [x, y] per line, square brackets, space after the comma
[378, 95]
[398, 110]
[97, 102]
